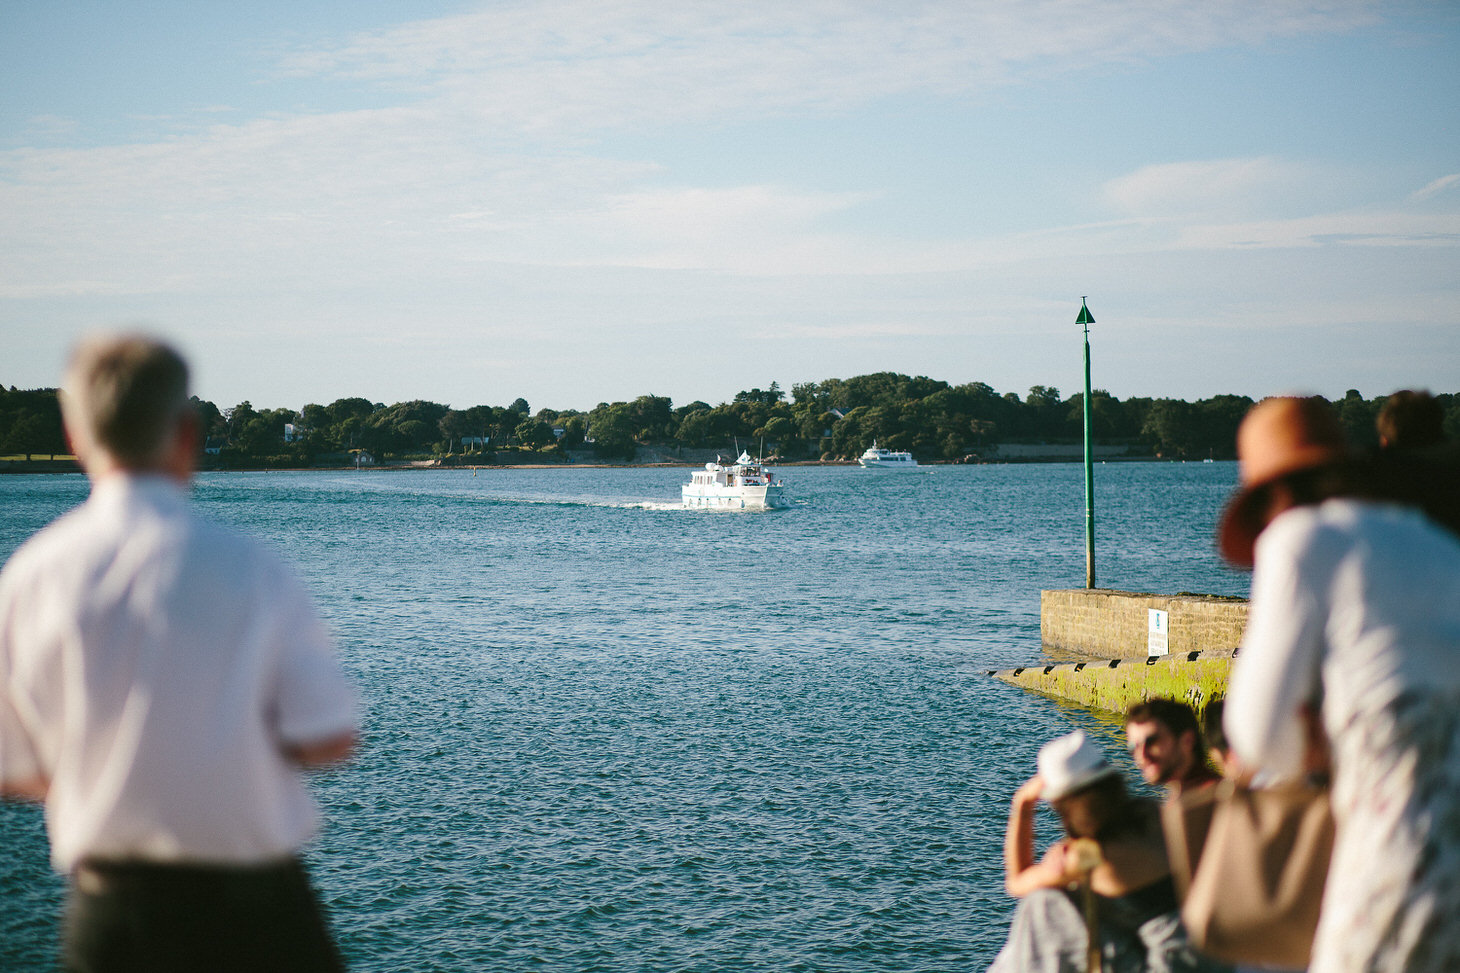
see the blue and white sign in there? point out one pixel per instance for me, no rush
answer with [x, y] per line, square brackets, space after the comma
[1157, 626]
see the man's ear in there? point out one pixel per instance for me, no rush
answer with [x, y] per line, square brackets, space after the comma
[77, 444]
[182, 458]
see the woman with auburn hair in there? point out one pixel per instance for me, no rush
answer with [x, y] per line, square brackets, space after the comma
[1352, 645]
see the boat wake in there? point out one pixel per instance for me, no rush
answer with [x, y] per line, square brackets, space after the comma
[597, 503]
[675, 506]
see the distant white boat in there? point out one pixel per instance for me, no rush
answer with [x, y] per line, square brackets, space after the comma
[887, 459]
[744, 484]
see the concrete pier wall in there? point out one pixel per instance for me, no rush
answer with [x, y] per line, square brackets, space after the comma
[1097, 648]
[1101, 623]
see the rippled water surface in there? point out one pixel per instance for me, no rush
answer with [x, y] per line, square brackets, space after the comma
[608, 734]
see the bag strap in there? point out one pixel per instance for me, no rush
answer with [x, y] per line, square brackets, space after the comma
[1185, 820]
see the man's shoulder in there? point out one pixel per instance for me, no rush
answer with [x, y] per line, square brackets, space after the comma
[57, 541]
[1199, 778]
[94, 534]
[177, 519]
[1339, 528]
[1316, 528]
[217, 546]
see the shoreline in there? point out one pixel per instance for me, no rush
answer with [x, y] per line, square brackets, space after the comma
[61, 466]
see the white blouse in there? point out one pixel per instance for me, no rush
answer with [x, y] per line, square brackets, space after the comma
[1352, 604]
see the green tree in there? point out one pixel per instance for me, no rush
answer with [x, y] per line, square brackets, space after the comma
[653, 416]
[613, 427]
[693, 429]
[315, 417]
[417, 433]
[852, 434]
[1451, 406]
[1105, 414]
[1173, 427]
[1358, 418]
[454, 425]
[1048, 414]
[779, 432]
[237, 419]
[478, 421]
[262, 434]
[404, 427]
[27, 436]
[809, 394]
[1220, 417]
[341, 410]
[814, 426]
[210, 420]
[770, 396]
[575, 430]
[30, 423]
[535, 434]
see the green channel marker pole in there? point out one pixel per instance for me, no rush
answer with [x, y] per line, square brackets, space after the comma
[1086, 318]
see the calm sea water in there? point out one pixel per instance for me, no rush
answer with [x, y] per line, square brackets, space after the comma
[608, 734]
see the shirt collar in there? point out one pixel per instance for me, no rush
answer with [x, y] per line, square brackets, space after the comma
[145, 487]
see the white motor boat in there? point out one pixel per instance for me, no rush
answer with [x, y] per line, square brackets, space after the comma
[887, 459]
[744, 484]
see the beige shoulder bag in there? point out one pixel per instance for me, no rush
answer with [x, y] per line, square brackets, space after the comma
[1250, 865]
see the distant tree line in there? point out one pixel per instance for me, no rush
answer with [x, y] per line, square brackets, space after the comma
[832, 419]
[30, 423]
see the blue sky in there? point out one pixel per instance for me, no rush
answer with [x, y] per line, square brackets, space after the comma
[576, 202]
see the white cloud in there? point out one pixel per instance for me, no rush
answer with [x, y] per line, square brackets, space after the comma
[1377, 228]
[484, 162]
[50, 127]
[479, 204]
[346, 195]
[1220, 187]
[1260, 203]
[744, 229]
[571, 65]
[1440, 185]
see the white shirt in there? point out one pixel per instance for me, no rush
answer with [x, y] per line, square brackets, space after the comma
[1352, 603]
[152, 667]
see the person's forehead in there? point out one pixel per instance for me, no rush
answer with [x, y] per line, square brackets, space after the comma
[1146, 728]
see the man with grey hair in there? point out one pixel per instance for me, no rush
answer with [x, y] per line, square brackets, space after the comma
[164, 681]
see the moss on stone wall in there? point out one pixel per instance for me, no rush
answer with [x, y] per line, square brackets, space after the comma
[1113, 685]
[1100, 639]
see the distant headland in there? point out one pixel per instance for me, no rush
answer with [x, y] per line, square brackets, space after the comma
[831, 421]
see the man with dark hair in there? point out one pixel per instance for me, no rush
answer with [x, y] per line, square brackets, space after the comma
[1219, 751]
[163, 683]
[1410, 420]
[1166, 744]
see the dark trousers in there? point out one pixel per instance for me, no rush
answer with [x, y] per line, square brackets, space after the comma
[129, 916]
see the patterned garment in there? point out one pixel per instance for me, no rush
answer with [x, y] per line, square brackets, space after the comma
[1048, 935]
[1393, 897]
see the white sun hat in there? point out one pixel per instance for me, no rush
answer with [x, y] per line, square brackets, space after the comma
[1068, 763]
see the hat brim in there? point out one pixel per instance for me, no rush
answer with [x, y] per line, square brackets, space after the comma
[1080, 782]
[1248, 512]
[1243, 519]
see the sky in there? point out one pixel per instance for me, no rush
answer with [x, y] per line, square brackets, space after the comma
[585, 201]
